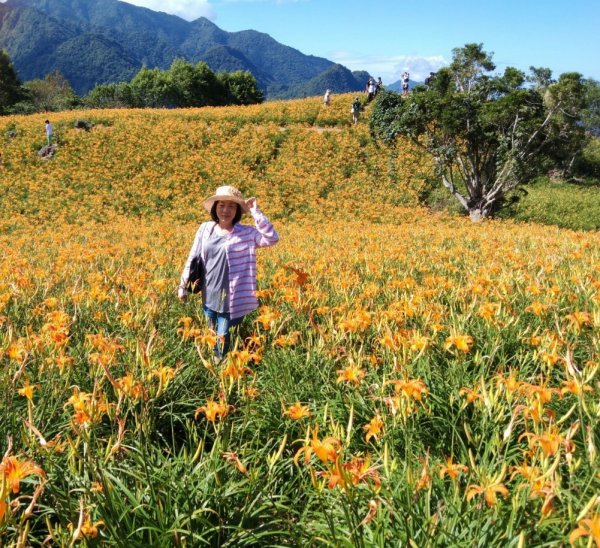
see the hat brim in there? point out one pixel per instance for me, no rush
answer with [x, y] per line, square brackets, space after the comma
[208, 203]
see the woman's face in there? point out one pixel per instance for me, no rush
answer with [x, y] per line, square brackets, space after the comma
[226, 211]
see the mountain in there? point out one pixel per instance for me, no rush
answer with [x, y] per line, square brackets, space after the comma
[336, 78]
[101, 41]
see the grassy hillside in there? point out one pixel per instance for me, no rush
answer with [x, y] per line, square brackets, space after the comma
[410, 378]
[296, 155]
[566, 205]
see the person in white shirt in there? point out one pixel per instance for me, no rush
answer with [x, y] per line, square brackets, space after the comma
[49, 131]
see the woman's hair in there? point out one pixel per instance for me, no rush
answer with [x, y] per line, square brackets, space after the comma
[236, 219]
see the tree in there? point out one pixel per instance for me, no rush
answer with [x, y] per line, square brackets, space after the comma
[540, 77]
[110, 96]
[591, 111]
[486, 133]
[208, 85]
[53, 93]
[182, 85]
[187, 89]
[152, 88]
[242, 88]
[10, 86]
[566, 135]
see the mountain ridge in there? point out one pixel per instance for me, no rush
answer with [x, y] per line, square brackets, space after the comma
[76, 36]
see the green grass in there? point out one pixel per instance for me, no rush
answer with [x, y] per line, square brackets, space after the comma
[566, 205]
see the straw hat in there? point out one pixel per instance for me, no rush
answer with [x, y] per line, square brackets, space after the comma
[226, 193]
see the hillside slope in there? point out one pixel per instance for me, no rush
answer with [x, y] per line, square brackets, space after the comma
[296, 155]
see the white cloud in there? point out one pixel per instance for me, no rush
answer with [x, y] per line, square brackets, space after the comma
[390, 67]
[186, 9]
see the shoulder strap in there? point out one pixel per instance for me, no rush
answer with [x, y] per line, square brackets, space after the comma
[204, 228]
[202, 231]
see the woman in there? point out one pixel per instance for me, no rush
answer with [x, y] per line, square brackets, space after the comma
[228, 251]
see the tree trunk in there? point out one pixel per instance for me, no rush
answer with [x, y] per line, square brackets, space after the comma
[479, 210]
[476, 215]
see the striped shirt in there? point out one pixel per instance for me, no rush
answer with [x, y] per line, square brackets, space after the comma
[240, 249]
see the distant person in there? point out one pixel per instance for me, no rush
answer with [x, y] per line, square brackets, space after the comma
[405, 81]
[429, 79]
[49, 131]
[356, 108]
[371, 90]
[327, 98]
[378, 86]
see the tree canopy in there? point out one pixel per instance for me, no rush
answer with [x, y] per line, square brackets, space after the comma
[10, 87]
[52, 93]
[487, 133]
[182, 85]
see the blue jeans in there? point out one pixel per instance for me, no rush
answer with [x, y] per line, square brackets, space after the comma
[222, 324]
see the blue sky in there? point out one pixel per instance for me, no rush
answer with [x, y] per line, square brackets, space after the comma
[386, 37]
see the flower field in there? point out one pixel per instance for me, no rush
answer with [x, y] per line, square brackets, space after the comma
[410, 378]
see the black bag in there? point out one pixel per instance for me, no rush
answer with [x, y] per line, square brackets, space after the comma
[196, 276]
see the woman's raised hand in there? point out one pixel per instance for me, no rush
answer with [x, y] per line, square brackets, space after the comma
[251, 203]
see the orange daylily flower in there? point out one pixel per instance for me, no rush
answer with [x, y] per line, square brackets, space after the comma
[164, 375]
[488, 310]
[411, 388]
[234, 369]
[17, 352]
[128, 386]
[575, 387]
[352, 374]
[470, 394]
[528, 472]
[267, 317]
[207, 338]
[452, 469]
[326, 450]
[425, 478]
[360, 470]
[213, 410]
[297, 411]
[587, 527]
[27, 391]
[510, 383]
[489, 492]
[373, 429]
[537, 308]
[89, 529]
[419, 343]
[549, 442]
[188, 330]
[359, 322]
[578, 320]
[301, 276]
[290, 339]
[460, 342]
[15, 470]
